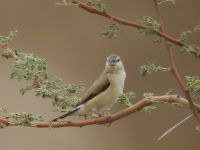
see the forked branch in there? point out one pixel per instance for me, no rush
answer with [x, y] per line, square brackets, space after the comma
[174, 69]
[123, 21]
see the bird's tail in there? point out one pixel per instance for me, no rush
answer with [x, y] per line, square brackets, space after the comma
[65, 115]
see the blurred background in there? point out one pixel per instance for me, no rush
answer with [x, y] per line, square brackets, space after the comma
[69, 38]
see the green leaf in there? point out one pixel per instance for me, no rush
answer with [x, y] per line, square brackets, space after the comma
[196, 28]
[24, 119]
[191, 49]
[26, 66]
[126, 98]
[150, 68]
[169, 91]
[3, 110]
[72, 89]
[151, 23]
[9, 54]
[111, 31]
[148, 95]
[5, 40]
[65, 3]
[34, 71]
[48, 89]
[2, 126]
[97, 4]
[64, 105]
[146, 32]
[149, 109]
[159, 40]
[164, 1]
[26, 89]
[184, 36]
[197, 128]
[181, 105]
[193, 85]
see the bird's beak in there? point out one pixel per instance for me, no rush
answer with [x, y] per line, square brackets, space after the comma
[112, 63]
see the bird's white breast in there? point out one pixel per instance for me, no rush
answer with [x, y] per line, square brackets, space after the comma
[117, 80]
[107, 98]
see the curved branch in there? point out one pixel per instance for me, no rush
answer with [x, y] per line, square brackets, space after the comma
[174, 69]
[108, 119]
[129, 23]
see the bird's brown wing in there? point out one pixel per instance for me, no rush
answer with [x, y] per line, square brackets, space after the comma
[100, 85]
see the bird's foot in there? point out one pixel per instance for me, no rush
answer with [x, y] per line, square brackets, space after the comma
[108, 121]
[97, 115]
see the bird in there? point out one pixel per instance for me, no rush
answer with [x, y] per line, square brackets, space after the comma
[104, 92]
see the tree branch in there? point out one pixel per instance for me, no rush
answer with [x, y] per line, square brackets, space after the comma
[2, 47]
[108, 119]
[174, 69]
[128, 23]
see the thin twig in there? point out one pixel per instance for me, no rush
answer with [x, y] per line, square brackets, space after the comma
[173, 127]
[128, 23]
[174, 69]
[125, 22]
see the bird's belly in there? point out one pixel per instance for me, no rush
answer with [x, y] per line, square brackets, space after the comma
[101, 103]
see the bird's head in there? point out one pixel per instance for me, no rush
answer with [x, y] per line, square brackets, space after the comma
[114, 62]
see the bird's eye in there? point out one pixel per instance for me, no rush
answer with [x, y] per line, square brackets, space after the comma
[117, 60]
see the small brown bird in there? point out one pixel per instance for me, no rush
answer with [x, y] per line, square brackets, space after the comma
[104, 92]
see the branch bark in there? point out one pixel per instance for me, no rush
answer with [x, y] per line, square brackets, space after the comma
[174, 69]
[125, 22]
[2, 47]
[128, 23]
[109, 119]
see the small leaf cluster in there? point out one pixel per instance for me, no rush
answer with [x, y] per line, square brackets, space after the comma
[70, 89]
[151, 23]
[149, 109]
[191, 49]
[34, 70]
[184, 36]
[28, 67]
[2, 126]
[169, 91]
[197, 128]
[159, 40]
[111, 31]
[196, 28]
[68, 98]
[97, 4]
[24, 119]
[164, 1]
[65, 3]
[193, 85]
[4, 40]
[47, 88]
[148, 95]
[181, 105]
[9, 53]
[3, 110]
[126, 98]
[150, 68]
[63, 105]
